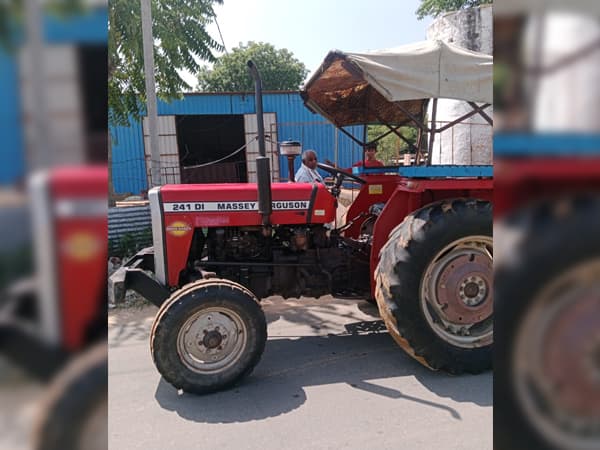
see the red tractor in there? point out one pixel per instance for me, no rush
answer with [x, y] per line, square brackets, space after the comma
[547, 216]
[54, 324]
[418, 238]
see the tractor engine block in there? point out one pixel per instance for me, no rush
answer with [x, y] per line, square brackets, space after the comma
[290, 261]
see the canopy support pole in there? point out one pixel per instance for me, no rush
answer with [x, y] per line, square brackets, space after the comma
[483, 114]
[432, 134]
[395, 131]
[351, 136]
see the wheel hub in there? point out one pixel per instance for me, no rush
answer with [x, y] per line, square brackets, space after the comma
[572, 356]
[463, 287]
[457, 294]
[557, 359]
[473, 290]
[211, 340]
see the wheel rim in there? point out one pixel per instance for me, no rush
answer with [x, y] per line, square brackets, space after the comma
[457, 295]
[556, 365]
[212, 340]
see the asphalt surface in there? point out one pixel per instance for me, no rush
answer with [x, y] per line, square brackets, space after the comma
[330, 378]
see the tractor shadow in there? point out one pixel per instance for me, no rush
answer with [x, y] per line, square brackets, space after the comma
[133, 323]
[361, 358]
[322, 315]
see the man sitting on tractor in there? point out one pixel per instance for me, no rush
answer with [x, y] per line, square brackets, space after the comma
[307, 173]
[370, 160]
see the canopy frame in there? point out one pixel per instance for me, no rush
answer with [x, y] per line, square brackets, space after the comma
[343, 93]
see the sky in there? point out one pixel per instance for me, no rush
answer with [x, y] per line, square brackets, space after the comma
[310, 28]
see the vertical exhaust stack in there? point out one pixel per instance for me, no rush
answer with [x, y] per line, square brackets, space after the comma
[263, 170]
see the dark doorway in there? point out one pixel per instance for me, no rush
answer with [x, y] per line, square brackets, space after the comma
[93, 73]
[207, 139]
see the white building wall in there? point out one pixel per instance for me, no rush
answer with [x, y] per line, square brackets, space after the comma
[468, 143]
[251, 131]
[167, 146]
[63, 107]
[566, 98]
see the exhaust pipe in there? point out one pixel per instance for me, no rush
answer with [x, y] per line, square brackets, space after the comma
[263, 170]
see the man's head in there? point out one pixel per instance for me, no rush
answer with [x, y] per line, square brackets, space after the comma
[309, 159]
[371, 151]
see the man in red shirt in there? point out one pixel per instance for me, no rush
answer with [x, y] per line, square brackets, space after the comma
[370, 159]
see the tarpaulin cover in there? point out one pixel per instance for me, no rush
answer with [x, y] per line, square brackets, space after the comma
[351, 88]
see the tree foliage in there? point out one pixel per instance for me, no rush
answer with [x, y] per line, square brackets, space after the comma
[13, 17]
[279, 70]
[180, 38]
[391, 147]
[436, 7]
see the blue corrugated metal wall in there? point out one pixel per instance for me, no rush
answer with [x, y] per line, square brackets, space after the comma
[11, 150]
[128, 165]
[294, 122]
[89, 27]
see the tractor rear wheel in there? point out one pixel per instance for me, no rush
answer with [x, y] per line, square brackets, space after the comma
[208, 336]
[434, 285]
[546, 391]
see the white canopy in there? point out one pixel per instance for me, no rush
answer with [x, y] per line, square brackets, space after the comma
[393, 86]
[428, 69]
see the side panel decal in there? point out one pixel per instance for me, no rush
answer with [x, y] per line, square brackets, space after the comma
[228, 206]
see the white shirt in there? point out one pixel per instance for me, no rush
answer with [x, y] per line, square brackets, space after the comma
[307, 175]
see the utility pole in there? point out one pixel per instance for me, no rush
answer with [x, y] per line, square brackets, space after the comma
[148, 41]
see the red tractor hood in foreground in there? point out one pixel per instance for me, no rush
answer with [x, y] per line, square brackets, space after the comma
[209, 205]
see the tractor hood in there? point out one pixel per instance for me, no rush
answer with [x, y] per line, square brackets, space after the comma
[204, 205]
[362, 88]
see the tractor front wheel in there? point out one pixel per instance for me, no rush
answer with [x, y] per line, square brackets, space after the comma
[434, 285]
[208, 336]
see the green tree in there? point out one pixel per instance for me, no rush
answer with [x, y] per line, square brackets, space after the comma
[391, 147]
[12, 17]
[180, 39]
[436, 7]
[279, 70]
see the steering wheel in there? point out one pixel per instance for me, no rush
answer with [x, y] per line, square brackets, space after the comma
[338, 177]
[335, 172]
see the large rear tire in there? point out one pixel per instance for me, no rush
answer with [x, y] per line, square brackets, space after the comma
[208, 336]
[546, 391]
[434, 285]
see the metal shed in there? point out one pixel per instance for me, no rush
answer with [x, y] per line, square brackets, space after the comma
[73, 46]
[189, 143]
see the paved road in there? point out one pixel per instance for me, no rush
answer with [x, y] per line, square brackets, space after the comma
[330, 378]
